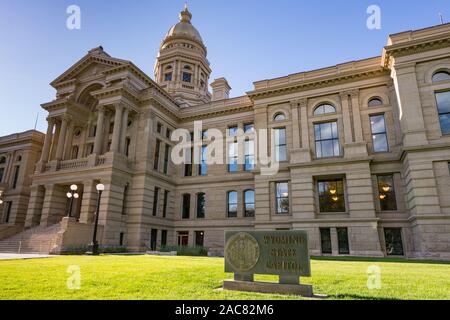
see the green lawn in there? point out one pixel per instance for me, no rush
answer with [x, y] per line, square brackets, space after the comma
[182, 278]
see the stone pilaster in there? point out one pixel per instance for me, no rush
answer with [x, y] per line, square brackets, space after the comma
[98, 144]
[115, 144]
[35, 206]
[123, 133]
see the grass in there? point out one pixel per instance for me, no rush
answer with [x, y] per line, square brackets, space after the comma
[182, 278]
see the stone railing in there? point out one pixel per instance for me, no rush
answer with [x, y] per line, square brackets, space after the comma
[72, 164]
[100, 161]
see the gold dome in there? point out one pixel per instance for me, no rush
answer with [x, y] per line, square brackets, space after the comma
[184, 28]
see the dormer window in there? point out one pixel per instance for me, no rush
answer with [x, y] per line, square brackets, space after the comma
[187, 77]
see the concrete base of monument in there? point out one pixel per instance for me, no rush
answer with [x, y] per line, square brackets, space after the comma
[268, 287]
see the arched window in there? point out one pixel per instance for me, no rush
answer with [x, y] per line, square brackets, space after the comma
[375, 102]
[2, 160]
[279, 117]
[232, 204]
[249, 203]
[187, 67]
[441, 76]
[324, 109]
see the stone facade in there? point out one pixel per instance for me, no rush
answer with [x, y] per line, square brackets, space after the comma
[111, 123]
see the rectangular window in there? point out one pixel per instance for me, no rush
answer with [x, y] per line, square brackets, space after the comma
[166, 159]
[188, 164]
[187, 77]
[2, 172]
[168, 134]
[203, 167]
[127, 146]
[16, 176]
[282, 197]
[232, 204]
[166, 202]
[249, 155]
[204, 134]
[331, 196]
[155, 201]
[280, 145]
[153, 239]
[186, 210]
[168, 76]
[122, 237]
[379, 134]
[183, 238]
[163, 238]
[156, 160]
[325, 240]
[124, 201]
[232, 131]
[249, 128]
[199, 238]
[233, 165]
[249, 203]
[201, 200]
[386, 193]
[443, 104]
[159, 128]
[342, 234]
[327, 140]
[394, 242]
[8, 206]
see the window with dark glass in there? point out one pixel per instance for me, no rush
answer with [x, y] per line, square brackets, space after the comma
[163, 238]
[153, 239]
[124, 201]
[233, 157]
[441, 76]
[386, 193]
[201, 201]
[186, 209]
[121, 238]
[159, 128]
[331, 196]
[249, 128]
[188, 164]
[199, 238]
[232, 201]
[203, 167]
[187, 77]
[168, 76]
[156, 160]
[249, 203]
[166, 202]
[443, 104]
[168, 134]
[342, 234]
[282, 197]
[325, 240]
[166, 159]
[327, 140]
[375, 102]
[280, 145]
[155, 201]
[183, 238]
[16, 176]
[249, 155]
[324, 109]
[379, 134]
[2, 160]
[394, 242]
[8, 211]
[2, 172]
[127, 146]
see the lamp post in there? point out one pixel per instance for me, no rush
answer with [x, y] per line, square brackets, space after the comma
[94, 245]
[72, 195]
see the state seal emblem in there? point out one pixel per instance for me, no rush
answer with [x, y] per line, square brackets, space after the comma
[242, 252]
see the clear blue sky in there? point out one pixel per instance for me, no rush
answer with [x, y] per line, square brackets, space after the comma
[247, 40]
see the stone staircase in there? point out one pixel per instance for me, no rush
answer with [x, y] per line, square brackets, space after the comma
[36, 240]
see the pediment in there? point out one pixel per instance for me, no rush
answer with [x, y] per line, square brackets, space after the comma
[94, 63]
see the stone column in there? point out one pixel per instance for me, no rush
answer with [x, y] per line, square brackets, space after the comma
[115, 144]
[68, 143]
[356, 116]
[348, 137]
[35, 204]
[55, 141]
[98, 144]
[304, 123]
[123, 134]
[295, 125]
[48, 140]
[62, 138]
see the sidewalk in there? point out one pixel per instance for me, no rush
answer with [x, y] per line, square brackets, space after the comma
[15, 256]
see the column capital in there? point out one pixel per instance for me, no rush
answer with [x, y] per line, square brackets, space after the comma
[298, 102]
[66, 117]
[354, 93]
[344, 94]
[51, 120]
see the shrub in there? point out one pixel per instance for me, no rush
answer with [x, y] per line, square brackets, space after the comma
[186, 251]
[77, 250]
